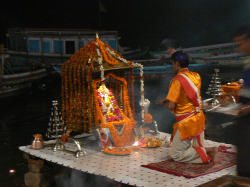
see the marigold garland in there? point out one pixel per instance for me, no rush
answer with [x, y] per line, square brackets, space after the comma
[148, 118]
[127, 135]
[118, 150]
[80, 107]
[107, 57]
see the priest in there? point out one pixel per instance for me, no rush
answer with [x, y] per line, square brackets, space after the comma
[184, 100]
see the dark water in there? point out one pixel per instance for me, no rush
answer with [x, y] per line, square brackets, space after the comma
[27, 114]
[21, 117]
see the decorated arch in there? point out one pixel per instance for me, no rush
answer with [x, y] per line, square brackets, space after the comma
[98, 91]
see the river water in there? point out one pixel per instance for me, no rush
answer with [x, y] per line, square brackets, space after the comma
[27, 114]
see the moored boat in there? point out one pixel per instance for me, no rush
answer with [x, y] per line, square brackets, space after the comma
[54, 46]
[13, 81]
[223, 54]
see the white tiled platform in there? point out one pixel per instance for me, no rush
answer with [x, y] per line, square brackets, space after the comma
[127, 169]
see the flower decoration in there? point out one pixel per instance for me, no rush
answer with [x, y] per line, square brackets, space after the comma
[148, 118]
[88, 102]
[117, 117]
[113, 112]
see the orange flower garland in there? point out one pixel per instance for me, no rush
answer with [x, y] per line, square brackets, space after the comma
[118, 150]
[127, 135]
[107, 57]
[148, 118]
[80, 107]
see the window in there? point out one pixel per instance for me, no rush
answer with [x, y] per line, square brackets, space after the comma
[46, 47]
[81, 44]
[58, 46]
[69, 47]
[21, 44]
[34, 46]
[113, 44]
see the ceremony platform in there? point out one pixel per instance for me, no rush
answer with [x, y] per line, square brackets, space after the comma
[126, 169]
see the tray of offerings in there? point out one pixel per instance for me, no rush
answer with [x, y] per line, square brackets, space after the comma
[148, 142]
[118, 150]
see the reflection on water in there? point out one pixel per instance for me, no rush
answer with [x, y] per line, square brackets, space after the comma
[21, 117]
[27, 114]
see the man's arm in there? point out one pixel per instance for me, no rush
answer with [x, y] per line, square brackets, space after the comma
[168, 104]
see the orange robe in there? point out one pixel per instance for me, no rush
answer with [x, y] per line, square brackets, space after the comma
[194, 124]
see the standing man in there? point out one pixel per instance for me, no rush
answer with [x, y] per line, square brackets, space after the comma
[184, 101]
[242, 127]
[242, 41]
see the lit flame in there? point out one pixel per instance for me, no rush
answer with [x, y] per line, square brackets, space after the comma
[136, 143]
[12, 171]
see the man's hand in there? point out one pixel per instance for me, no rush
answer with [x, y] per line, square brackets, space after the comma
[161, 101]
[168, 104]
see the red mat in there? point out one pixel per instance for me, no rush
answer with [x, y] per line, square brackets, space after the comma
[223, 160]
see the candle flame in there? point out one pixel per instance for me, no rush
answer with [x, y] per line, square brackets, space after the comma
[136, 143]
[12, 171]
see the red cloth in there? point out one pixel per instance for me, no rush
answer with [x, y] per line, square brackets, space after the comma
[223, 160]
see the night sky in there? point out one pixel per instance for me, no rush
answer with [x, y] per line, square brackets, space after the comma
[143, 23]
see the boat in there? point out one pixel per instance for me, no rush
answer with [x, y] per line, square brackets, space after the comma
[15, 80]
[155, 68]
[164, 70]
[54, 46]
[223, 54]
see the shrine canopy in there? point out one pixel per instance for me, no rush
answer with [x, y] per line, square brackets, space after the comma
[100, 57]
[86, 67]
